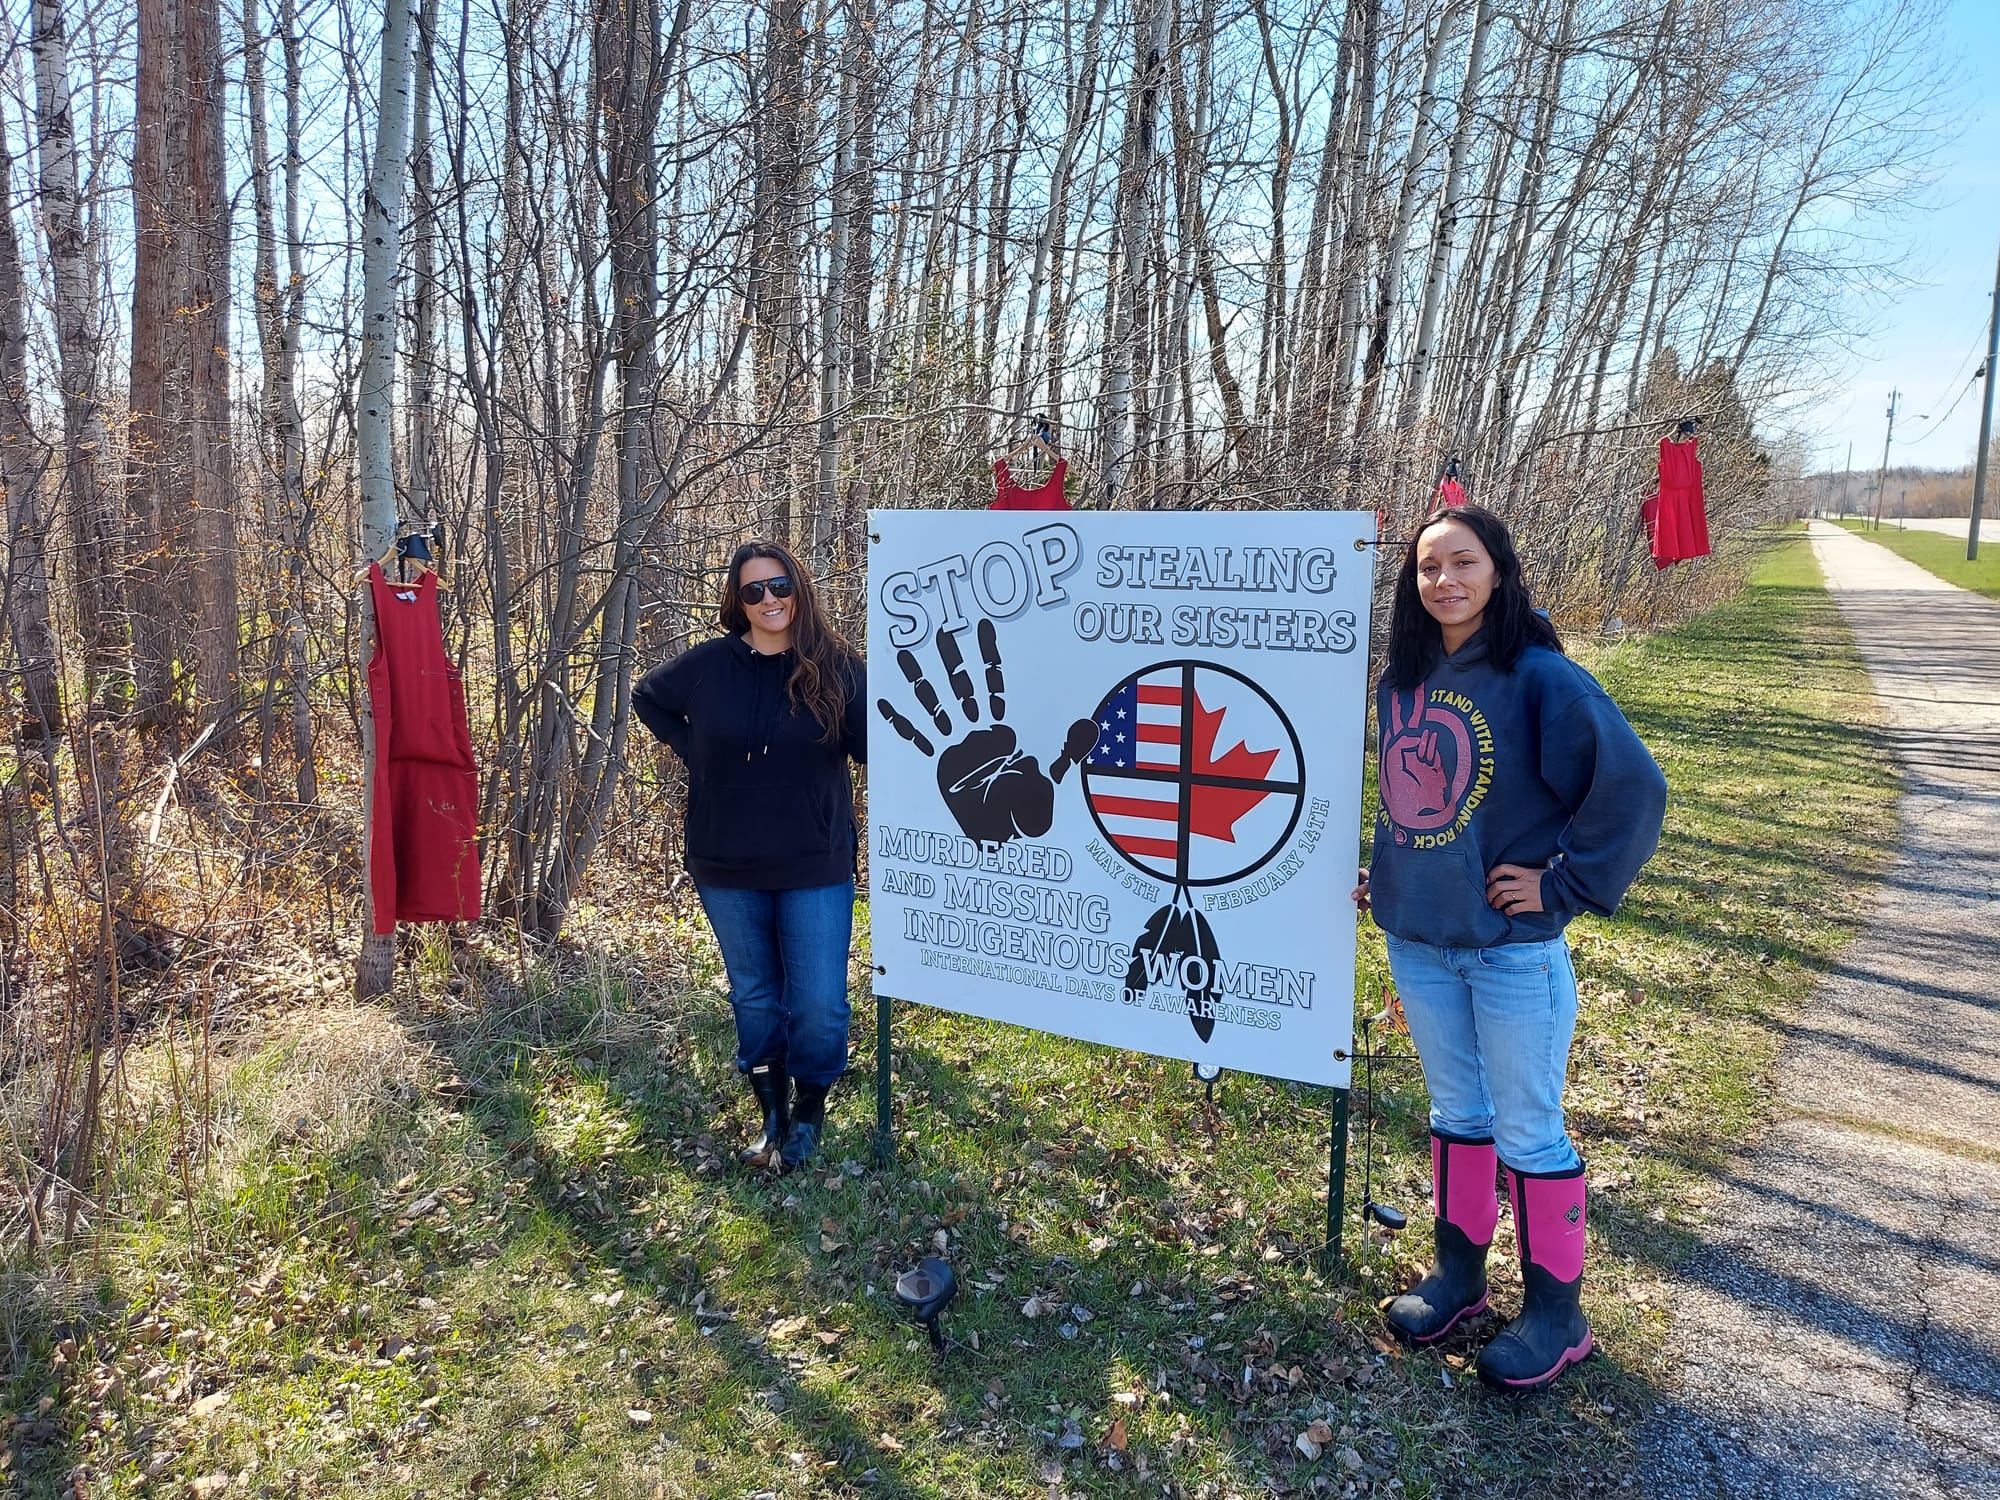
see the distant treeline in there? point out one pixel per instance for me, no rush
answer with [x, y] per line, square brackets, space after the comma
[1906, 491]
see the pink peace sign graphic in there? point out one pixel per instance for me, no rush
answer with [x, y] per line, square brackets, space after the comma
[1426, 763]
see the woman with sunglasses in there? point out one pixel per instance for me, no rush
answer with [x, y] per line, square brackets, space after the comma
[766, 717]
[1514, 795]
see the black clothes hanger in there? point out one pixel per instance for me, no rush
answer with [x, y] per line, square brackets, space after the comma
[417, 546]
[1040, 440]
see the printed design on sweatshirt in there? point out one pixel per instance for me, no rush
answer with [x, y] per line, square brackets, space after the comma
[1435, 767]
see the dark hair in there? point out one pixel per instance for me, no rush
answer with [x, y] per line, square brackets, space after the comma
[822, 660]
[1511, 624]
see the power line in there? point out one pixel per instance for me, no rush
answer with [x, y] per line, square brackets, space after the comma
[1959, 371]
[1919, 437]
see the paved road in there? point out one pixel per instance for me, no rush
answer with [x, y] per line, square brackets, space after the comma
[1842, 1321]
[1958, 526]
[1952, 527]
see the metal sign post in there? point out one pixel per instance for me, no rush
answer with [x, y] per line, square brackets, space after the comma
[885, 1123]
[1332, 1262]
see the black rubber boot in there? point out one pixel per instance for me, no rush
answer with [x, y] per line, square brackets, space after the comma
[1454, 1288]
[1551, 1334]
[768, 1083]
[808, 1120]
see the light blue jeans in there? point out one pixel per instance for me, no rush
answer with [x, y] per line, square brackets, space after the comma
[786, 955]
[1493, 1028]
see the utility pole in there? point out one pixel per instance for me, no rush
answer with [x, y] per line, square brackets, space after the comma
[1882, 477]
[1985, 424]
[1846, 479]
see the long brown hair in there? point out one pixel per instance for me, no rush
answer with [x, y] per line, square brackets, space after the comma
[821, 656]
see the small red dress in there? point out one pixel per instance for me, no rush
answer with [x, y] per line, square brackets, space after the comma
[1048, 495]
[1676, 522]
[424, 846]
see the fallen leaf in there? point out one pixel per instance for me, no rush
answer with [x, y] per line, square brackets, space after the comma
[638, 1416]
[887, 1444]
[1114, 1440]
[1304, 1443]
[209, 1405]
[208, 1484]
[1320, 1433]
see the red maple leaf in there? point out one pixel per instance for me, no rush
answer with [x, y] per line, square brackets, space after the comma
[1214, 810]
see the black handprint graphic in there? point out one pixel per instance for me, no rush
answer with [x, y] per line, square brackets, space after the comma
[993, 790]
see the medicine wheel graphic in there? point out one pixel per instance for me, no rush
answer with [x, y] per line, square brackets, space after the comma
[1197, 776]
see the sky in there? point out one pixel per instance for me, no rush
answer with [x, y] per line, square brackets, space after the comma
[1930, 337]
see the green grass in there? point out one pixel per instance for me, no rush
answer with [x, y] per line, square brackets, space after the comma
[1941, 554]
[507, 1253]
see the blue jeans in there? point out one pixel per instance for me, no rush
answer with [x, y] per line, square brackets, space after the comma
[1493, 1028]
[786, 954]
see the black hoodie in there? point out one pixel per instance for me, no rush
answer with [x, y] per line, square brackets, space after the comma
[770, 806]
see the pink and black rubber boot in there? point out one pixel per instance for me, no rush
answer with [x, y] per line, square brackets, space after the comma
[1551, 1333]
[1466, 1210]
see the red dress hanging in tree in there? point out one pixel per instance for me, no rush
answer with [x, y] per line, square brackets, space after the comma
[1450, 494]
[1048, 495]
[424, 846]
[1676, 523]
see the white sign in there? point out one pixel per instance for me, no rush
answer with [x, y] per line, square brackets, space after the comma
[1115, 776]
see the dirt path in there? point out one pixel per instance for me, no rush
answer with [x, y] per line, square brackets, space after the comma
[1840, 1327]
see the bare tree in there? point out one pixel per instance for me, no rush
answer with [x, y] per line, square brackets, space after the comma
[23, 463]
[279, 312]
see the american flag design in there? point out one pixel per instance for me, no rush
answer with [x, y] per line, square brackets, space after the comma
[1139, 729]
[1165, 792]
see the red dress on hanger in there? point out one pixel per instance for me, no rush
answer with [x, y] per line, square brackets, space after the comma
[1048, 495]
[424, 846]
[1450, 494]
[1676, 523]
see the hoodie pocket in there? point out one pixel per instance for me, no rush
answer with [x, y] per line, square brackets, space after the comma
[754, 827]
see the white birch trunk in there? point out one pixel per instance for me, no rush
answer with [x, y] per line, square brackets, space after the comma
[1448, 216]
[1386, 286]
[375, 435]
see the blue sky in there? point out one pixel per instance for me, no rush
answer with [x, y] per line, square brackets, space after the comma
[1922, 335]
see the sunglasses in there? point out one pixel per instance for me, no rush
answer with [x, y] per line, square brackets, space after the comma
[778, 588]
